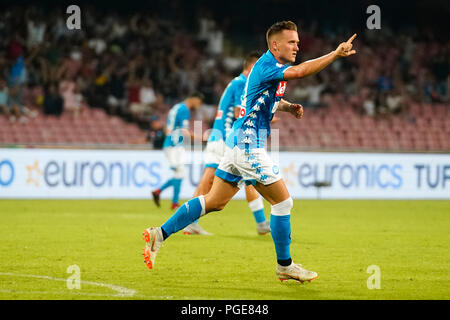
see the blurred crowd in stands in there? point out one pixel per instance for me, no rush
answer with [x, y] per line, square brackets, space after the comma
[138, 64]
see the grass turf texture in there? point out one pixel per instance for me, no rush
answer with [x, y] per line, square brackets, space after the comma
[408, 240]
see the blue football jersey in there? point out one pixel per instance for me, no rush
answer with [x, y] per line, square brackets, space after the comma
[230, 99]
[178, 119]
[262, 93]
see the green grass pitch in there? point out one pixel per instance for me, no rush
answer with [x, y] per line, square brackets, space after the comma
[408, 240]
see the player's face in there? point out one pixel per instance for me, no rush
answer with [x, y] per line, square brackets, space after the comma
[287, 45]
[196, 103]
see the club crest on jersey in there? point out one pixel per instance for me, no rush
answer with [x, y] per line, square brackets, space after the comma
[281, 89]
[219, 114]
[242, 112]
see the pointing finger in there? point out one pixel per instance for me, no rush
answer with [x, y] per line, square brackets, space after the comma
[352, 38]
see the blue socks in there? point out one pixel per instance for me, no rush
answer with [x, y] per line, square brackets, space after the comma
[257, 207]
[259, 216]
[176, 189]
[176, 183]
[185, 215]
[280, 228]
[166, 185]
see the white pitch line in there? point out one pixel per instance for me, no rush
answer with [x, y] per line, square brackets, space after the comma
[58, 292]
[121, 291]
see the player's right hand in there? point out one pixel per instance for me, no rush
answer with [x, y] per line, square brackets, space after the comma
[345, 48]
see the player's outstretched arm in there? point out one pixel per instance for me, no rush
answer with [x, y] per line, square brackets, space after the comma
[310, 67]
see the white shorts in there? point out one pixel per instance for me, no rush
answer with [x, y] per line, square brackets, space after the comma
[241, 166]
[214, 153]
[176, 157]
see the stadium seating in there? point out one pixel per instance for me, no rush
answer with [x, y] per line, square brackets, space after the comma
[92, 126]
[425, 128]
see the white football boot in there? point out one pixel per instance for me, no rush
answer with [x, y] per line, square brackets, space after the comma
[263, 227]
[153, 238]
[195, 228]
[295, 272]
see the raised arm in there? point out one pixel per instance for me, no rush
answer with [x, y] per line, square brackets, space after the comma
[310, 67]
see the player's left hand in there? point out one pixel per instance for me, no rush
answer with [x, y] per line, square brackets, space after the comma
[345, 48]
[297, 110]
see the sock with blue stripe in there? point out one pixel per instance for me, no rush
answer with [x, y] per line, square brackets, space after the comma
[185, 215]
[257, 207]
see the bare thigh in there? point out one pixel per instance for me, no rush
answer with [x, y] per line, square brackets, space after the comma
[205, 182]
[220, 194]
[274, 193]
[251, 193]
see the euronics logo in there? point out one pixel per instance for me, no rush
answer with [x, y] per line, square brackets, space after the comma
[6, 173]
[98, 174]
[347, 175]
[33, 174]
[290, 174]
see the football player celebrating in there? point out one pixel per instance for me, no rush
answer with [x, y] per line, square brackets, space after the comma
[245, 159]
[228, 110]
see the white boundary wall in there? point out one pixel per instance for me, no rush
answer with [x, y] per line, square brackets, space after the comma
[99, 174]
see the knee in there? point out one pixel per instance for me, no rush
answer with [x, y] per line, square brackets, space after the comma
[283, 208]
[218, 206]
[214, 204]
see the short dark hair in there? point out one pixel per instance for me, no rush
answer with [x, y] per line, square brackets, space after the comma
[250, 58]
[197, 94]
[278, 27]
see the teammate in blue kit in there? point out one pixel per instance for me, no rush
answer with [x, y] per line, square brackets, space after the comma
[227, 112]
[245, 158]
[177, 127]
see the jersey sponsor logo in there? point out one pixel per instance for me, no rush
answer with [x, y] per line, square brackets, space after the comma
[242, 112]
[281, 89]
[219, 114]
